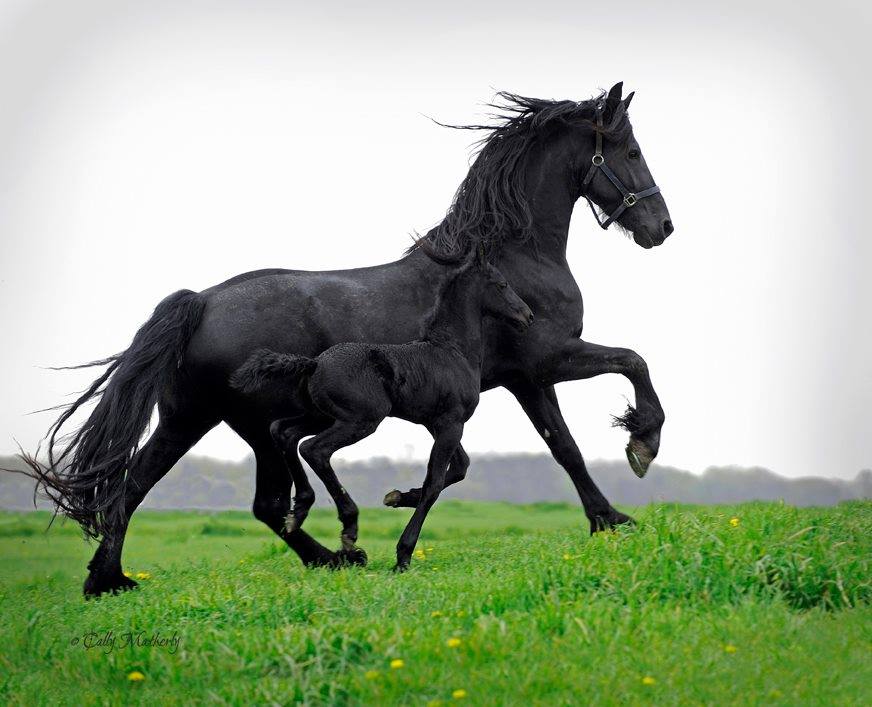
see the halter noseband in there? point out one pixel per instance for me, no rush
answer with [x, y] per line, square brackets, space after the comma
[599, 162]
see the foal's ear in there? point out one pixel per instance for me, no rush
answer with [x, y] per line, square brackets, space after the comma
[615, 92]
[628, 99]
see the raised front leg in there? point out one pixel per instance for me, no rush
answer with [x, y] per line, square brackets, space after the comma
[578, 359]
[541, 407]
[456, 472]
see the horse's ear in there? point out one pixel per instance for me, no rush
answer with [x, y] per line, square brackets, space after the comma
[628, 99]
[480, 258]
[615, 92]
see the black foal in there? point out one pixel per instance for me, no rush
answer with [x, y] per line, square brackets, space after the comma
[352, 387]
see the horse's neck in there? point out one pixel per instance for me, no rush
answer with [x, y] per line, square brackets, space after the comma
[551, 196]
[457, 321]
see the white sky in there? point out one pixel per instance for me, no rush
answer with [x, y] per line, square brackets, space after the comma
[146, 147]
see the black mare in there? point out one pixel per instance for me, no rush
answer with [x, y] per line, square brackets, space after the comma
[516, 201]
[352, 387]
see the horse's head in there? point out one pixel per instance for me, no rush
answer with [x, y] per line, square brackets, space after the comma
[615, 177]
[516, 188]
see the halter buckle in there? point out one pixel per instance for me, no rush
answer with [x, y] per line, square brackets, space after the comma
[630, 200]
[597, 159]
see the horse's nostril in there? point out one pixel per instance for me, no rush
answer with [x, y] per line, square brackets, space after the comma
[667, 228]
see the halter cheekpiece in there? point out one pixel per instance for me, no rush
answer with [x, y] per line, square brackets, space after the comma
[598, 162]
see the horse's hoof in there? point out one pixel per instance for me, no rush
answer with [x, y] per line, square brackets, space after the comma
[330, 560]
[640, 457]
[401, 567]
[393, 498]
[351, 556]
[609, 520]
[95, 585]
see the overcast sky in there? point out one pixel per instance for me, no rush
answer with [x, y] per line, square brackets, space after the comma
[147, 147]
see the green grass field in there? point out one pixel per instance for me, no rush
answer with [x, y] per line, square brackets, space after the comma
[750, 604]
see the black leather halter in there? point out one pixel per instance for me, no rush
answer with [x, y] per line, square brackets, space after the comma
[599, 163]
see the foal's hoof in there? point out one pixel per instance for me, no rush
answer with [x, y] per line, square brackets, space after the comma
[640, 456]
[96, 585]
[393, 498]
[351, 556]
[609, 520]
[401, 567]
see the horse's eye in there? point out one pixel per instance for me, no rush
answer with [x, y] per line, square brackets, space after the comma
[634, 154]
[504, 285]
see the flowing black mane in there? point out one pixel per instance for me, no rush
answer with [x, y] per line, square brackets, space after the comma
[490, 204]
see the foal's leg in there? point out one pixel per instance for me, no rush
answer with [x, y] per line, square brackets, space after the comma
[456, 472]
[317, 452]
[287, 433]
[577, 360]
[444, 446]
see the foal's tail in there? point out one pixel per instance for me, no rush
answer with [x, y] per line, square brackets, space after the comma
[265, 365]
[87, 477]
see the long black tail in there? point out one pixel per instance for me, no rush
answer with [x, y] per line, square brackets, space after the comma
[265, 365]
[87, 476]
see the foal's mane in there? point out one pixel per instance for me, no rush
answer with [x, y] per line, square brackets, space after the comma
[491, 204]
[457, 266]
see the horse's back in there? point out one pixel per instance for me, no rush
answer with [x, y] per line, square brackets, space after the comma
[306, 312]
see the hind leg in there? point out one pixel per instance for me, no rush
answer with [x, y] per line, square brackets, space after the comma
[164, 448]
[286, 434]
[317, 452]
[456, 472]
[272, 503]
[272, 497]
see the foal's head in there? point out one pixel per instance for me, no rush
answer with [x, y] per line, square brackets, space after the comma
[472, 279]
[498, 299]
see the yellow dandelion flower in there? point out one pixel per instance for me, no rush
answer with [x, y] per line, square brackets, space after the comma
[419, 554]
[648, 680]
[429, 549]
[730, 648]
[143, 575]
[461, 614]
[371, 674]
[434, 703]
[397, 663]
[127, 574]
[135, 676]
[734, 522]
[453, 642]
[435, 614]
[567, 556]
[458, 694]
